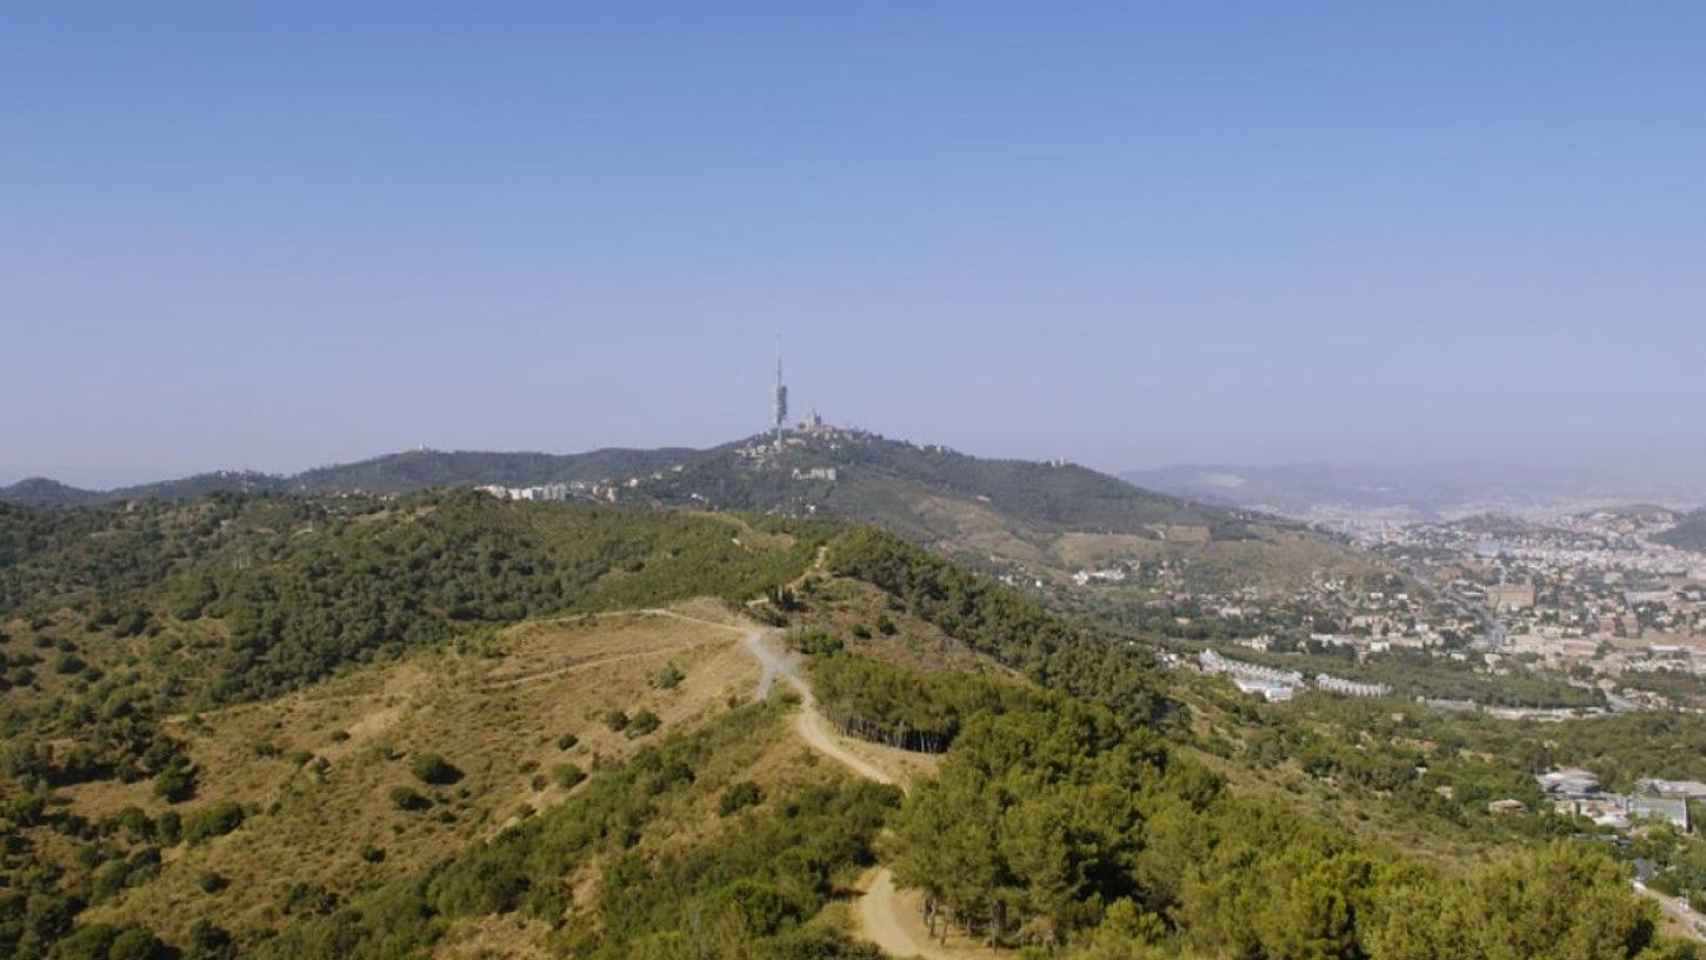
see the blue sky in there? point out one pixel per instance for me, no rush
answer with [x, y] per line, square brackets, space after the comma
[1130, 234]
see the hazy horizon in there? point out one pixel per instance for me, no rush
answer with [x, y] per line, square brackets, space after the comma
[280, 239]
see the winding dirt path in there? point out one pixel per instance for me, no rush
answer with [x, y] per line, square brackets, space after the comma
[883, 915]
[888, 921]
[808, 723]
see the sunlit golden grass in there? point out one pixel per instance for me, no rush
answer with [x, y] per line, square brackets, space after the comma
[315, 768]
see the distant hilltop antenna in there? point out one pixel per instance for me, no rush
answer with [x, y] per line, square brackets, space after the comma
[779, 404]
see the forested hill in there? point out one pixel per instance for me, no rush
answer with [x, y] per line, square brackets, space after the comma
[897, 484]
[911, 488]
[42, 492]
[392, 473]
[420, 469]
[163, 607]
[1689, 534]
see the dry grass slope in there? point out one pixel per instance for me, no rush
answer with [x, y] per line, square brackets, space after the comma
[317, 767]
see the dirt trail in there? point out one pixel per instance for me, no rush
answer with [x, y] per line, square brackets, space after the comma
[809, 723]
[883, 916]
[892, 924]
[771, 663]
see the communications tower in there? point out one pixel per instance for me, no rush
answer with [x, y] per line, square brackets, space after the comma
[779, 403]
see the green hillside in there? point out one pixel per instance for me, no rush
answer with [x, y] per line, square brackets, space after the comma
[42, 492]
[1048, 518]
[879, 480]
[418, 470]
[393, 473]
[343, 727]
[878, 477]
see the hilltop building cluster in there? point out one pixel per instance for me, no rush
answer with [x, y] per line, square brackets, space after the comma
[607, 490]
[549, 492]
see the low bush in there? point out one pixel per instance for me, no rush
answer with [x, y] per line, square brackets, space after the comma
[668, 678]
[432, 768]
[738, 797]
[408, 798]
[815, 643]
[645, 722]
[216, 820]
[176, 783]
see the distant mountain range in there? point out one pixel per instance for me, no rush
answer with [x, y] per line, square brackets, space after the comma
[391, 473]
[1427, 491]
[871, 474]
[1055, 515]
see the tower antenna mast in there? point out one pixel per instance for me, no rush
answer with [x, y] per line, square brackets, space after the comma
[779, 401]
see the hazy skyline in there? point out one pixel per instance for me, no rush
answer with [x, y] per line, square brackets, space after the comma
[1127, 236]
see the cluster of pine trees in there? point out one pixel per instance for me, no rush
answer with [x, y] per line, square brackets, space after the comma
[1063, 828]
[908, 709]
[1004, 624]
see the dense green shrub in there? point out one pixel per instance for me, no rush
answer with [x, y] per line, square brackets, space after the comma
[432, 768]
[215, 820]
[308, 899]
[408, 798]
[814, 642]
[739, 796]
[176, 783]
[644, 723]
[668, 678]
[209, 941]
[100, 941]
[169, 828]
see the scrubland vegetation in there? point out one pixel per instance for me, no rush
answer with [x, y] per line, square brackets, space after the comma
[754, 884]
[190, 689]
[116, 620]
